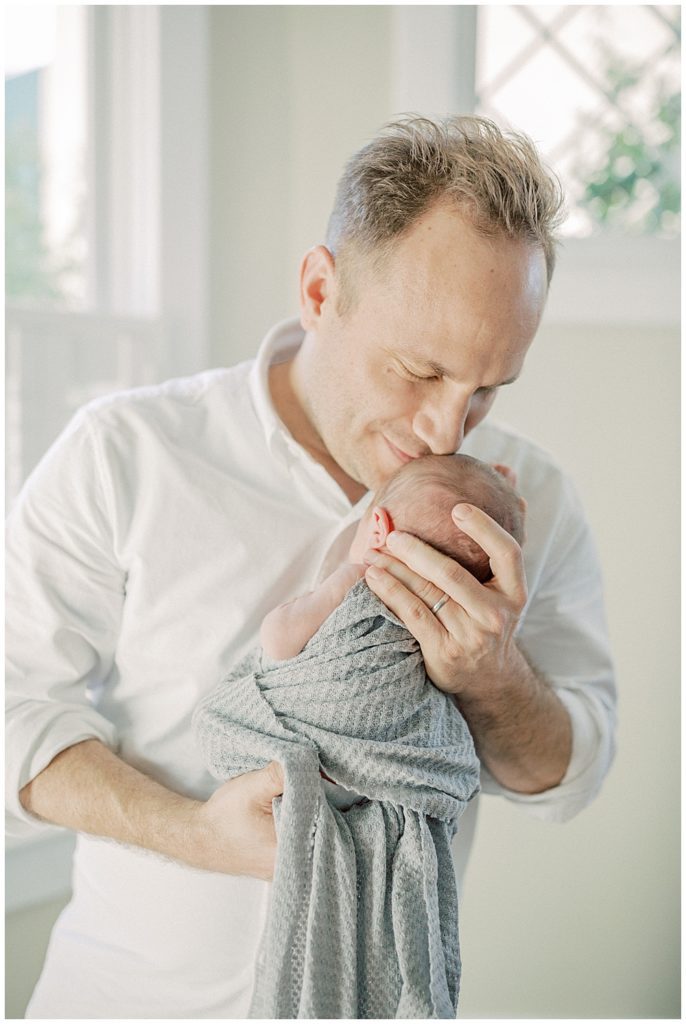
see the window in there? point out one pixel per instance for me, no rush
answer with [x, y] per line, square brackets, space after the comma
[597, 87]
[106, 245]
[45, 152]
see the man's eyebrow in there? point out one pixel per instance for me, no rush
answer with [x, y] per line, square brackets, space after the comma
[441, 371]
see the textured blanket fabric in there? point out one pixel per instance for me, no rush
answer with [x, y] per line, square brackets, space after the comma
[363, 911]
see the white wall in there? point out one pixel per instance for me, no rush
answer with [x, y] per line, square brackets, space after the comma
[295, 91]
[582, 919]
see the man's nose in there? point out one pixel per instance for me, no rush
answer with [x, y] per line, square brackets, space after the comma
[440, 424]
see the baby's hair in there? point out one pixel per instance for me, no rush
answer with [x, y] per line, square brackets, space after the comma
[421, 495]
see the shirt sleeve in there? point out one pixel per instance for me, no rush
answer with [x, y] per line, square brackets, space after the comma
[564, 634]
[64, 598]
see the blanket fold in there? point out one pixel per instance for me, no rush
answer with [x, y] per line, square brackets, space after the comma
[363, 911]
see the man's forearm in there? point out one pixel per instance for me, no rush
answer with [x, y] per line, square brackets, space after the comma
[521, 729]
[89, 789]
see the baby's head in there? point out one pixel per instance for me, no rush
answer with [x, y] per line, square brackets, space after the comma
[419, 498]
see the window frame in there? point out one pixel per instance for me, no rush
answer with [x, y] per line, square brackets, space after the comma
[149, 69]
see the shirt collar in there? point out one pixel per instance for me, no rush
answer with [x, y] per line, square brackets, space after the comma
[279, 345]
[281, 342]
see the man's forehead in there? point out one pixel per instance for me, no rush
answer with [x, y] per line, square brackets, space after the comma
[459, 341]
[456, 307]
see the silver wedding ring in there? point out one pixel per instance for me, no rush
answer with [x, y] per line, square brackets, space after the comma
[439, 604]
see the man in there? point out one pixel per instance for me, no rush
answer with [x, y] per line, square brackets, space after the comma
[159, 530]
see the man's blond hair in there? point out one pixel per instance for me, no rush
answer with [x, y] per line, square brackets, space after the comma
[495, 178]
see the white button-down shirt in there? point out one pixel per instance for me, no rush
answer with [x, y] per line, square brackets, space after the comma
[143, 553]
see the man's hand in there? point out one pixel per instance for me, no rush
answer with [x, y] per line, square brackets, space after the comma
[233, 831]
[88, 788]
[521, 728]
[471, 638]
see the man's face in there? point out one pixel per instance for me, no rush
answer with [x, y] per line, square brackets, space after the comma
[417, 362]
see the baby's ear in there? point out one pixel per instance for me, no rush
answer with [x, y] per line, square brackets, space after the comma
[382, 525]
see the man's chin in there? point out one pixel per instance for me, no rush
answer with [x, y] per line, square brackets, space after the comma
[375, 471]
[379, 475]
[368, 477]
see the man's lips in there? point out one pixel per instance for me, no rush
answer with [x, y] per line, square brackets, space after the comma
[398, 452]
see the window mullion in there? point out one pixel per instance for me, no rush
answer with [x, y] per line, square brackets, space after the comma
[97, 171]
[123, 160]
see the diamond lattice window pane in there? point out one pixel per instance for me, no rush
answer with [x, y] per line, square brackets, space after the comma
[501, 38]
[598, 89]
[513, 102]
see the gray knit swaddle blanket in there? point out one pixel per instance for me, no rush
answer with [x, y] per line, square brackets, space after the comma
[363, 907]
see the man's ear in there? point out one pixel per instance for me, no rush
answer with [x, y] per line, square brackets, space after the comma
[316, 284]
[382, 526]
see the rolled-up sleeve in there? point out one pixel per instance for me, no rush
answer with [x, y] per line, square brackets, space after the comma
[565, 637]
[64, 599]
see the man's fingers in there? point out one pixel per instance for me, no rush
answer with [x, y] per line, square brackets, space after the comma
[422, 588]
[505, 471]
[265, 783]
[448, 576]
[409, 608]
[504, 553]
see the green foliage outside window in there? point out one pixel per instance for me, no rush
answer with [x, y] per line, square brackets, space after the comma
[634, 182]
[34, 273]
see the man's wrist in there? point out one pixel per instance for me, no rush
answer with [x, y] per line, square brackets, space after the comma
[200, 843]
[489, 683]
[522, 730]
[174, 829]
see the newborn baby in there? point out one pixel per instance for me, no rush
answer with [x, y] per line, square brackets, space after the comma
[378, 764]
[418, 499]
